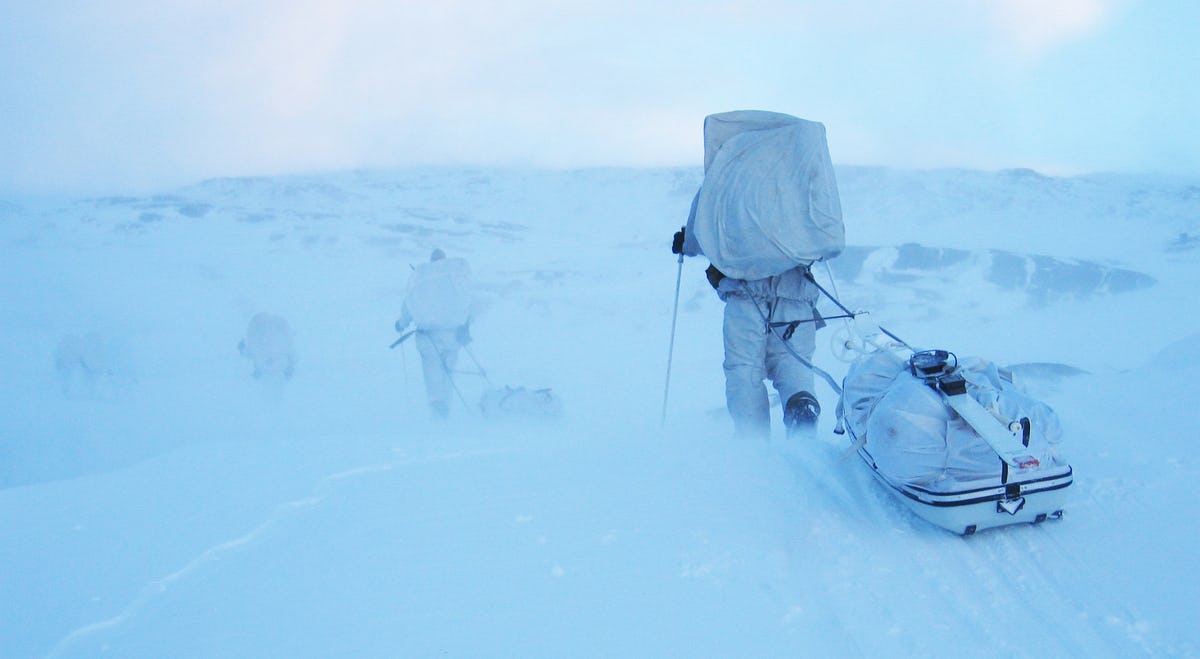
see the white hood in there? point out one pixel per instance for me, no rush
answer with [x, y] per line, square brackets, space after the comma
[439, 294]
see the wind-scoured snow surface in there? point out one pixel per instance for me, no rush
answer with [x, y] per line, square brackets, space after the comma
[158, 501]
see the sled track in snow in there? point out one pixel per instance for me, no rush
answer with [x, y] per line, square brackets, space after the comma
[160, 586]
[1025, 588]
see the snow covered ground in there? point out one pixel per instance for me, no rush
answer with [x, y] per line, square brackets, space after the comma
[168, 504]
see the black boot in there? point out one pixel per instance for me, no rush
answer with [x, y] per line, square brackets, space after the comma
[800, 414]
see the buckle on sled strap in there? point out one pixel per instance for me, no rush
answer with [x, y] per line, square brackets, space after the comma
[1010, 506]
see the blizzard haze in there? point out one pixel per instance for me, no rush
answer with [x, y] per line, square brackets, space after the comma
[1019, 179]
[169, 504]
[134, 95]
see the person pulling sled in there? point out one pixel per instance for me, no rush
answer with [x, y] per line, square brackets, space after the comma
[768, 208]
[438, 302]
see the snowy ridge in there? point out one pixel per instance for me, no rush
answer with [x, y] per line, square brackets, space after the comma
[187, 509]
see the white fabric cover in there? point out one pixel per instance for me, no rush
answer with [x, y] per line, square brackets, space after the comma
[439, 294]
[914, 436]
[769, 201]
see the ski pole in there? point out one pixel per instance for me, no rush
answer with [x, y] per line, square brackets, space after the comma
[404, 368]
[671, 348]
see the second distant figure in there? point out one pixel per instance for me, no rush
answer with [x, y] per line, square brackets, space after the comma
[439, 303]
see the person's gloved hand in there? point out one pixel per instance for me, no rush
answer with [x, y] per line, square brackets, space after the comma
[714, 276]
[677, 242]
[400, 326]
[463, 335]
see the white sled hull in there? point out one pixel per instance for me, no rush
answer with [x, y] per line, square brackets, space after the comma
[981, 505]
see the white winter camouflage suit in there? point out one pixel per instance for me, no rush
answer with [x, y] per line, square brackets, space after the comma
[439, 304]
[754, 353]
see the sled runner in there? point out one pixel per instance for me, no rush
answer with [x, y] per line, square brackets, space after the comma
[969, 507]
[958, 444]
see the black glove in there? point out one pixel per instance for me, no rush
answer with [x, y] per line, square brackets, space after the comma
[677, 242]
[463, 335]
[714, 276]
[400, 326]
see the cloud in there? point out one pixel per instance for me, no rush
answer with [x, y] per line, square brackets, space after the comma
[1035, 27]
[141, 93]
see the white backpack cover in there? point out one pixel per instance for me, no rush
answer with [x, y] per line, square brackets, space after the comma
[769, 201]
[439, 294]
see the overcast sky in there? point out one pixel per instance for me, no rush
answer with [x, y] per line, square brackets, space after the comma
[137, 95]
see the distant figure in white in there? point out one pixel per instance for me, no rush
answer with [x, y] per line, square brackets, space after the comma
[269, 347]
[89, 365]
[438, 303]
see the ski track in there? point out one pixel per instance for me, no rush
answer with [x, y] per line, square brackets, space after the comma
[823, 513]
[1022, 572]
[158, 587]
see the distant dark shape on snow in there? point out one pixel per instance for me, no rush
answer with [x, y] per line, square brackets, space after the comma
[1044, 279]
[1183, 242]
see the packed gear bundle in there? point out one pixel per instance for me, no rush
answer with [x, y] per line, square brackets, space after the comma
[959, 443]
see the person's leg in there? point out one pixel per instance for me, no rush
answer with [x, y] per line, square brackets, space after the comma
[788, 374]
[448, 347]
[745, 346]
[790, 377]
[433, 367]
